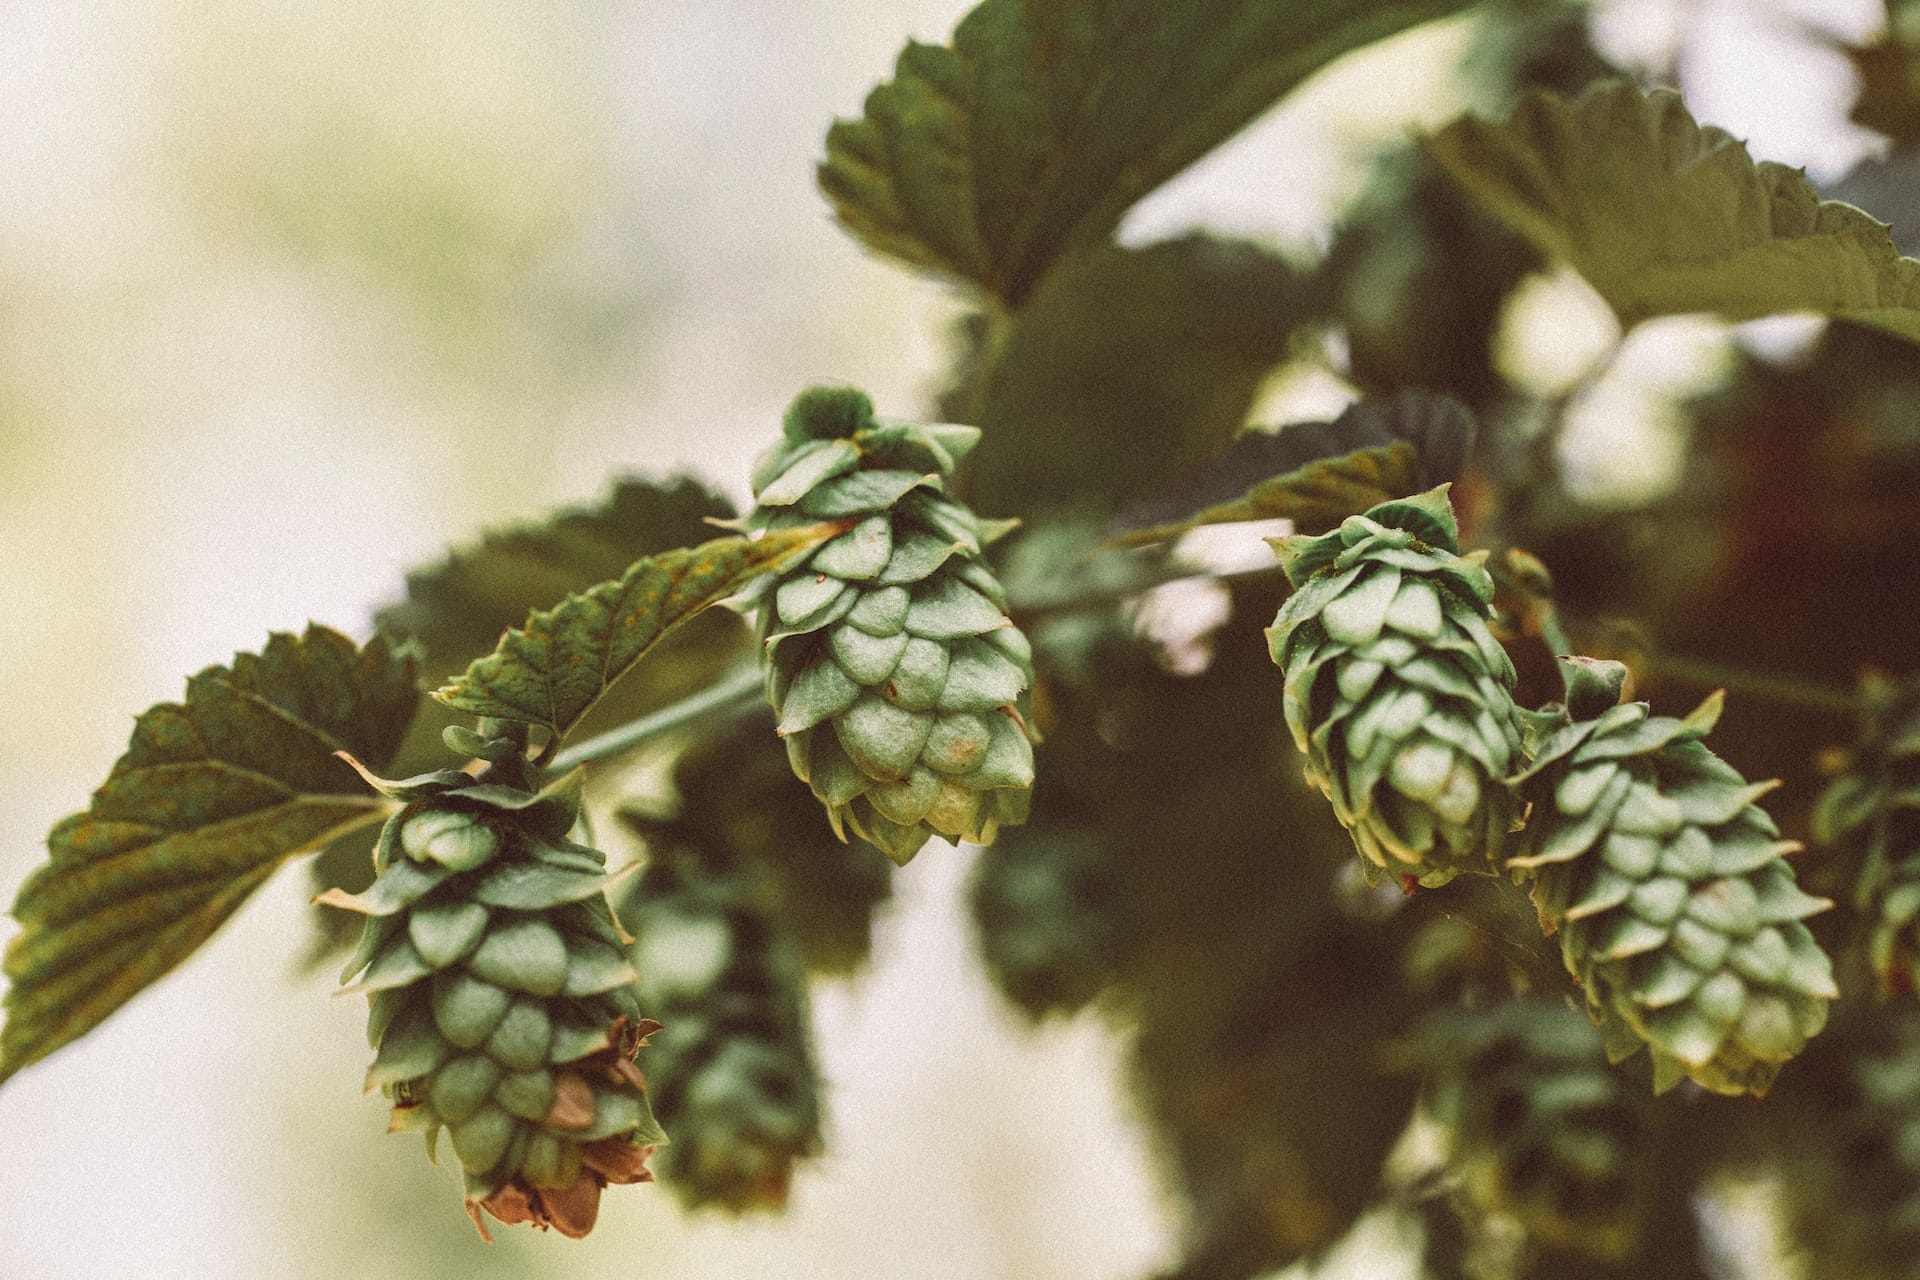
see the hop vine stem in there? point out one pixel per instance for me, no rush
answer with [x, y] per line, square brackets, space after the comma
[738, 687]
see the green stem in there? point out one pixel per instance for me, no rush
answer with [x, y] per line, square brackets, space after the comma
[1553, 633]
[1753, 684]
[738, 686]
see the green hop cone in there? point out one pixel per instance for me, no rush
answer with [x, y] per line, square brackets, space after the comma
[1544, 1130]
[504, 1006]
[733, 1072]
[1397, 692]
[1872, 813]
[891, 664]
[1677, 911]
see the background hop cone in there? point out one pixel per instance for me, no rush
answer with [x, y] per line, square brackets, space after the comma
[1396, 690]
[732, 1073]
[891, 663]
[1677, 911]
[1545, 1131]
[1872, 814]
[504, 1008]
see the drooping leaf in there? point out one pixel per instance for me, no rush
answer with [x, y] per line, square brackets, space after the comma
[1664, 216]
[1889, 72]
[457, 609]
[1128, 365]
[211, 796]
[1316, 474]
[552, 670]
[1045, 120]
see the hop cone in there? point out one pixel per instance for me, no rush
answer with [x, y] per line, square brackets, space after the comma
[737, 794]
[891, 664]
[1677, 911]
[1851, 1176]
[1873, 812]
[1397, 692]
[732, 1073]
[1545, 1130]
[503, 1002]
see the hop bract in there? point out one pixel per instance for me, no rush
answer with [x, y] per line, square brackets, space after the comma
[1396, 690]
[891, 663]
[503, 1002]
[1677, 911]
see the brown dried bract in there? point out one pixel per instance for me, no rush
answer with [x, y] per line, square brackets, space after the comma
[571, 1210]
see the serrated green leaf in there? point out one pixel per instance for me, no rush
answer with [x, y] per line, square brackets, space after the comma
[1315, 497]
[1664, 216]
[555, 668]
[458, 608]
[1045, 120]
[211, 796]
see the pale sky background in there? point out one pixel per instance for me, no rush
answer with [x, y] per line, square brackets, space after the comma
[234, 396]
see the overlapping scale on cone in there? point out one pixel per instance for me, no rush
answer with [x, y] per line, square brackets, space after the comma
[1871, 813]
[891, 664]
[1677, 911]
[503, 1004]
[1397, 692]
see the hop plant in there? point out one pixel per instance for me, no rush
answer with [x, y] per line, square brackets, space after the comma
[1545, 1131]
[503, 1003]
[733, 1074]
[1872, 812]
[1397, 692]
[1677, 911]
[891, 664]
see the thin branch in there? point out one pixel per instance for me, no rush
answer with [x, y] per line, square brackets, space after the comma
[737, 687]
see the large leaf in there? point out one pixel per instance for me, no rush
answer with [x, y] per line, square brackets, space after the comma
[1663, 216]
[1045, 120]
[458, 608]
[1316, 474]
[552, 670]
[211, 796]
[1127, 366]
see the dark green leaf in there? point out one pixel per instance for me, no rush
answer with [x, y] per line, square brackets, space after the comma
[1316, 474]
[1664, 216]
[1045, 120]
[211, 796]
[552, 670]
[457, 609]
[1127, 366]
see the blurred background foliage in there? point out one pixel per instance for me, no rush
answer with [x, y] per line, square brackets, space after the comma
[293, 299]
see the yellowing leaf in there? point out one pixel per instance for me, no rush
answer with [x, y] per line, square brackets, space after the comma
[1045, 120]
[552, 670]
[1664, 216]
[211, 796]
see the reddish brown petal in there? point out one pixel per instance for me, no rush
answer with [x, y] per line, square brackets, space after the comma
[617, 1160]
[572, 1103]
[572, 1210]
[479, 1223]
[512, 1204]
[624, 1072]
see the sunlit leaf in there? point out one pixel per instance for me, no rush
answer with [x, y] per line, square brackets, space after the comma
[1045, 120]
[1664, 216]
[552, 670]
[211, 796]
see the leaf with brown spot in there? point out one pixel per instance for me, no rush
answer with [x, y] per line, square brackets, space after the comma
[555, 668]
[212, 795]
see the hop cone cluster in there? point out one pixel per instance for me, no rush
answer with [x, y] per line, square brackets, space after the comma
[732, 1073]
[504, 1008]
[1872, 811]
[1397, 692]
[891, 663]
[1545, 1130]
[1677, 911]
